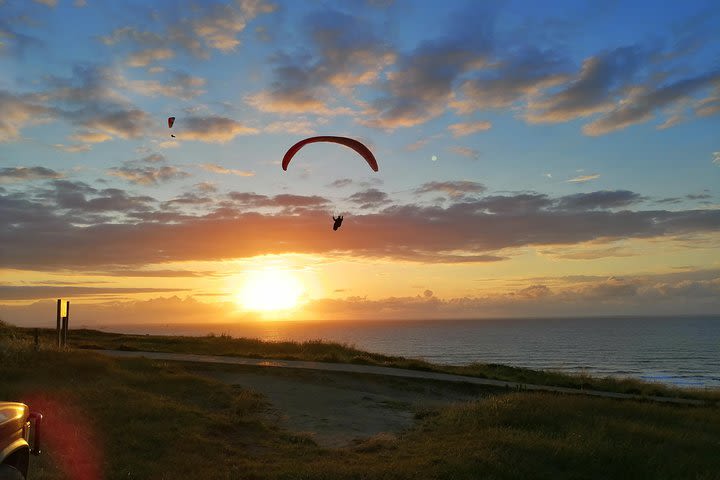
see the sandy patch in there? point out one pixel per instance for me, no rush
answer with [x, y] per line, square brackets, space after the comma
[337, 409]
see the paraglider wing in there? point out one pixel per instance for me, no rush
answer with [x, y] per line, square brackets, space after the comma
[171, 120]
[348, 142]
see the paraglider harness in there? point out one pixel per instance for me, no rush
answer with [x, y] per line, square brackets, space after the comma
[338, 221]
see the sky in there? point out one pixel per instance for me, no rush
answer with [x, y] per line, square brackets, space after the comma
[536, 159]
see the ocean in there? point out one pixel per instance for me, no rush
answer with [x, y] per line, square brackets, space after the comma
[680, 351]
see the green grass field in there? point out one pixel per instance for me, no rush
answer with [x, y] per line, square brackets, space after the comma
[142, 419]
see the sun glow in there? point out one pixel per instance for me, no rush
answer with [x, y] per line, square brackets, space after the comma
[270, 290]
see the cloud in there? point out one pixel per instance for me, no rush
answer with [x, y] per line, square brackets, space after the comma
[465, 152]
[23, 174]
[205, 187]
[518, 204]
[671, 122]
[213, 129]
[19, 111]
[716, 158]
[454, 189]
[297, 127]
[143, 58]
[286, 201]
[211, 167]
[370, 198]
[420, 87]
[590, 253]
[148, 175]
[462, 129]
[213, 27]
[652, 294]
[178, 85]
[583, 178]
[640, 104]
[422, 142]
[125, 124]
[90, 137]
[601, 78]
[81, 198]
[152, 158]
[342, 52]
[514, 77]
[62, 229]
[77, 148]
[48, 3]
[709, 106]
[29, 292]
[340, 183]
[600, 199]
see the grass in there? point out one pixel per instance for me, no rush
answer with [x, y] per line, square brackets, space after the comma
[138, 419]
[322, 351]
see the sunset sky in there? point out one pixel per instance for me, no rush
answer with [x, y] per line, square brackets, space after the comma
[536, 159]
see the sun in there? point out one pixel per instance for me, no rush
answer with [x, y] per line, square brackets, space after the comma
[269, 290]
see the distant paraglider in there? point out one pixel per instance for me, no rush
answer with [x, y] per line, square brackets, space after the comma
[348, 142]
[171, 122]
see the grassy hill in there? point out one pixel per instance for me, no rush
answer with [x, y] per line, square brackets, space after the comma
[137, 419]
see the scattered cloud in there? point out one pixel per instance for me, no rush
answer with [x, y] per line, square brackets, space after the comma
[22, 174]
[421, 85]
[465, 152]
[370, 198]
[213, 129]
[213, 27]
[455, 189]
[297, 127]
[148, 175]
[640, 104]
[463, 129]
[716, 158]
[77, 148]
[178, 85]
[602, 199]
[516, 76]
[90, 137]
[31, 292]
[583, 178]
[671, 122]
[342, 53]
[214, 168]
[19, 111]
[340, 183]
[601, 78]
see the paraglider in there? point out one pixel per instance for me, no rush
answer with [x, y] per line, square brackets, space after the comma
[348, 142]
[338, 222]
[171, 122]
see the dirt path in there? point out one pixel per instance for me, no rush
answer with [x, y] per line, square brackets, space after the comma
[387, 371]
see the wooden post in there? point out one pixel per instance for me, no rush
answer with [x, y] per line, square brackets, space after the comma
[59, 320]
[66, 323]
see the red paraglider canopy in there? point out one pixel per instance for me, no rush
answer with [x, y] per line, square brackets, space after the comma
[348, 142]
[171, 120]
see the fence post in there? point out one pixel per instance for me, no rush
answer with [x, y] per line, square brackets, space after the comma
[66, 323]
[59, 320]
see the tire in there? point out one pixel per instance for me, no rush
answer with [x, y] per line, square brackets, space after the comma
[8, 472]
